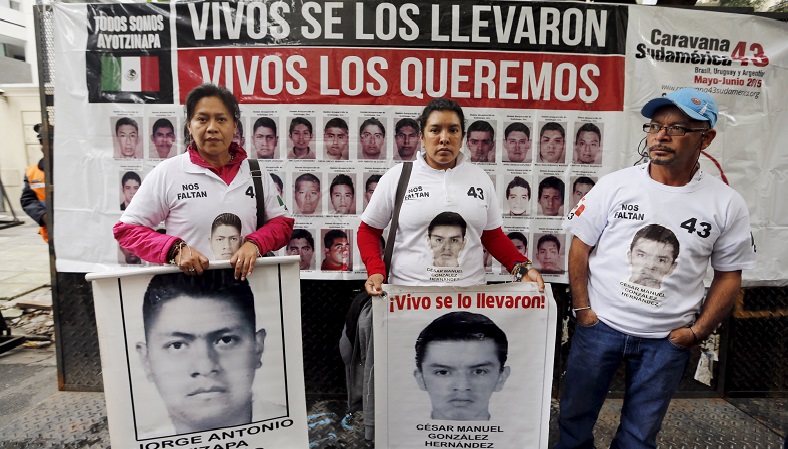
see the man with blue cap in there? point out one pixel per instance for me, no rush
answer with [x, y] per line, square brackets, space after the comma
[643, 240]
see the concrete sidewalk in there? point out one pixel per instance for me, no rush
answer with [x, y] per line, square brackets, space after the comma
[35, 415]
[24, 260]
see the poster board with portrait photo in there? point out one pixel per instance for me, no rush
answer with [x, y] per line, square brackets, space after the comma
[438, 382]
[207, 359]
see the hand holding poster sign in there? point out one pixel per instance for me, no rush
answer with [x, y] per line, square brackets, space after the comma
[483, 366]
[197, 360]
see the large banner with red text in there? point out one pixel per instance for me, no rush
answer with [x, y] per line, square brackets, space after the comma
[330, 92]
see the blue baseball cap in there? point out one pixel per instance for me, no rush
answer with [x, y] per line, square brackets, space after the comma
[696, 104]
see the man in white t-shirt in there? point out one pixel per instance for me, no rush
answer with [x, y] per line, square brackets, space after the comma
[646, 312]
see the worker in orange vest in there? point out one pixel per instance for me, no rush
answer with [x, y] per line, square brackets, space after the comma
[34, 193]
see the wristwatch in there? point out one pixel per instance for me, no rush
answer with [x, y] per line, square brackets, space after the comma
[520, 269]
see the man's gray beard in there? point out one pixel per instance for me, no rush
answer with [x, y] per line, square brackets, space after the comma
[662, 162]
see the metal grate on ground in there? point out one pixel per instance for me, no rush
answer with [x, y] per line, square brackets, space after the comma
[72, 420]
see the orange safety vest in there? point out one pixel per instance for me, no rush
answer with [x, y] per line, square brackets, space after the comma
[36, 181]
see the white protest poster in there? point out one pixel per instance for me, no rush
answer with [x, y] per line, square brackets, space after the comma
[464, 367]
[202, 361]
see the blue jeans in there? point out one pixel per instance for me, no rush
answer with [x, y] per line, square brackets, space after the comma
[654, 368]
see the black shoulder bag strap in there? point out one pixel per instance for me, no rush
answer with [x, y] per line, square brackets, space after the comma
[257, 178]
[402, 186]
[259, 193]
[362, 298]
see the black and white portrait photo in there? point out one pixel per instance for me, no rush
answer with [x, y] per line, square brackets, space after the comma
[460, 363]
[469, 364]
[198, 353]
[652, 255]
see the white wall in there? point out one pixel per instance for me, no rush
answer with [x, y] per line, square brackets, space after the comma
[20, 110]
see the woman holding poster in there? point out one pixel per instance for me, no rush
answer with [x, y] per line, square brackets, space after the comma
[450, 214]
[188, 192]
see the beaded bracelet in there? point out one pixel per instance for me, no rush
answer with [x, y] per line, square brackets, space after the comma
[259, 254]
[175, 250]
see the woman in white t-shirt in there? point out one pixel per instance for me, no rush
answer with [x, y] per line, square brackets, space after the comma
[212, 179]
[449, 214]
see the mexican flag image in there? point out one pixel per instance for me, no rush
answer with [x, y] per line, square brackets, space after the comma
[129, 74]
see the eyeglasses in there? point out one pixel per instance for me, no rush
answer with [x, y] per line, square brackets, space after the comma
[672, 130]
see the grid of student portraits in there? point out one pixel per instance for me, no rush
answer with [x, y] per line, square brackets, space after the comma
[326, 162]
[139, 142]
[541, 163]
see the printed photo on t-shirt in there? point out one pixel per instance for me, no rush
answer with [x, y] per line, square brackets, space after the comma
[226, 236]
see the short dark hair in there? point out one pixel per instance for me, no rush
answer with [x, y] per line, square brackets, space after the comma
[342, 180]
[551, 182]
[548, 238]
[277, 180]
[447, 219]
[659, 234]
[442, 104]
[481, 125]
[332, 235]
[126, 121]
[300, 121]
[403, 122]
[517, 235]
[130, 175]
[516, 126]
[336, 122]
[303, 234]
[212, 90]
[226, 219]
[582, 180]
[552, 126]
[306, 177]
[265, 122]
[372, 121]
[462, 326]
[518, 182]
[213, 284]
[162, 123]
[187, 135]
[370, 180]
[590, 128]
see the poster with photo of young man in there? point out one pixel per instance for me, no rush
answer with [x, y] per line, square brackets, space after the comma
[472, 364]
[205, 356]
